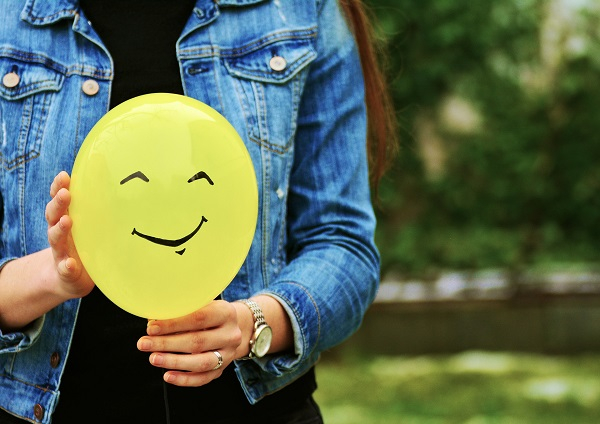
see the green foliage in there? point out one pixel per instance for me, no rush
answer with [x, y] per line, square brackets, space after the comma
[505, 95]
[470, 387]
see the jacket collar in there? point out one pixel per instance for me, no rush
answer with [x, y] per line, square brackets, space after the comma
[44, 12]
[206, 11]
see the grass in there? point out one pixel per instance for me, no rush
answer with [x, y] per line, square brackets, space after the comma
[467, 388]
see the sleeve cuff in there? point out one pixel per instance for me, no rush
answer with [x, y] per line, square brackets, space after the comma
[301, 308]
[20, 340]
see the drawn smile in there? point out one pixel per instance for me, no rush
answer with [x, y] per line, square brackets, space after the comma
[168, 242]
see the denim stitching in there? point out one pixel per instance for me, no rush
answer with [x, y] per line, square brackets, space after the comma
[268, 40]
[261, 110]
[270, 146]
[297, 84]
[274, 78]
[284, 207]
[65, 13]
[280, 253]
[240, 93]
[266, 158]
[37, 386]
[25, 126]
[30, 126]
[10, 164]
[78, 124]
[263, 134]
[40, 59]
[21, 190]
[12, 363]
[262, 138]
[266, 204]
[39, 136]
[217, 85]
[312, 300]
[199, 52]
[47, 85]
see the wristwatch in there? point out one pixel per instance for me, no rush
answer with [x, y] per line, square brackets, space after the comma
[260, 342]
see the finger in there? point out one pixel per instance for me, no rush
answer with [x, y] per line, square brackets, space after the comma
[62, 180]
[199, 362]
[189, 342]
[212, 315]
[58, 206]
[188, 379]
[58, 234]
[69, 269]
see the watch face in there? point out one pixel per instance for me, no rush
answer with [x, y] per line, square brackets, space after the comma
[263, 341]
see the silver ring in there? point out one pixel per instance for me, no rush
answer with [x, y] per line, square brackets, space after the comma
[219, 358]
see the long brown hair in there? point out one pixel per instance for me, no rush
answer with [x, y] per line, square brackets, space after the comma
[382, 139]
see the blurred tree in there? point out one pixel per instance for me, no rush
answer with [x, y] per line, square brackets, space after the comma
[497, 103]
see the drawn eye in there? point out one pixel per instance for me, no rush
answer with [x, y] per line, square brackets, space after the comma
[138, 174]
[199, 176]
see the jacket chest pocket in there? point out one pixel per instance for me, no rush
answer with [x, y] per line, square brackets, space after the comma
[268, 82]
[26, 92]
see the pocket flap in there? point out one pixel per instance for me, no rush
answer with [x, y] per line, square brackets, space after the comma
[258, 64]
[32, 78]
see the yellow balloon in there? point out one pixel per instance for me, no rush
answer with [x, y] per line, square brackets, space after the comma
[164, 204]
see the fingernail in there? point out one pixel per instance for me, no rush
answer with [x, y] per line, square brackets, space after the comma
[169, 378]
[153, 330]
[145, 344]
[157, 359]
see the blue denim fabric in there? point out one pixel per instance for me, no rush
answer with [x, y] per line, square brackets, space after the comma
[305, 130]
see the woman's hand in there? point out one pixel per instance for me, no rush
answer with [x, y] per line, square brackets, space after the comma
[185, 346]
[32, 285]
[73, 280]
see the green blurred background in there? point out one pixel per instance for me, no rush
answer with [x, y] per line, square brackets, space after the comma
[498, 105]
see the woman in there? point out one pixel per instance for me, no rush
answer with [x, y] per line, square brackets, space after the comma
[287, 75]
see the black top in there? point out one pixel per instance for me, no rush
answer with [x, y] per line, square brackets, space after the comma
[141, 36]
[106, 378]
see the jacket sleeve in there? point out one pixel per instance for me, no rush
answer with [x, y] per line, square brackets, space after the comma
[333, 271]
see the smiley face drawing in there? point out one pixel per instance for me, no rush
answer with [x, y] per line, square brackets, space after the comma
[164, 204]
[165, 242]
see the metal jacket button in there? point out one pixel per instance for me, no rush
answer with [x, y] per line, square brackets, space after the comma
[90, 87]
[38, 411]
[54, 360]
[278, 63]
[11, 80]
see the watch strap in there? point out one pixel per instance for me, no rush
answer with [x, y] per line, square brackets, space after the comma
[259, 317]
[259, 320]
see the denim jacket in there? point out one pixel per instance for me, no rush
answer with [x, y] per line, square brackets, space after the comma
[303, 123]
